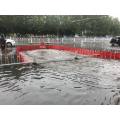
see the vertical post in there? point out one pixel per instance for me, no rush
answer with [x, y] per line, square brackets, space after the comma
[57, 40]
[27, 40]
[48, 40]
[0, 59]
[13, 59]
[62, 40]
[94, 39]
[81, 43]
[74, 42]
[31, 40]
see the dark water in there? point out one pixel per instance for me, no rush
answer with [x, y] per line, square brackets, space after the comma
[84, 81]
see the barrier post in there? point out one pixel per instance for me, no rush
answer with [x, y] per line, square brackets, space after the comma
[48, 39]
[31, 40]
[94, 39]
[62, 40]
[74, 42]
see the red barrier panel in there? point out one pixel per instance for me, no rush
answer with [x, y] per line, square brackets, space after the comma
[29, 47]
[25, 48]
[20, 57]
[117, 55]
[94, 53]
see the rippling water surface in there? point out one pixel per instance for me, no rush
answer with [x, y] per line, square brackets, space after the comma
[84, 81]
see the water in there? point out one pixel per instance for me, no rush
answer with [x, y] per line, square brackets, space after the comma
[84, 81]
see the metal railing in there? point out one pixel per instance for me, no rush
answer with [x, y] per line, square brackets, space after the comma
[84, 42]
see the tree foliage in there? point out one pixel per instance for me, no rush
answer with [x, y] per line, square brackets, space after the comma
[89, 25]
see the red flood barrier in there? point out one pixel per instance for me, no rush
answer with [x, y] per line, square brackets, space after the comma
[94, 53]
[83, 51]
[30, 47]
[19, 49]
[20, 57]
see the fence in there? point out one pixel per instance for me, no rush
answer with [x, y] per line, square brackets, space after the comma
[84, 42]
[95, 43]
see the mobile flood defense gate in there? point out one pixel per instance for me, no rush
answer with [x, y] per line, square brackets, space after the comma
[57, 44]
